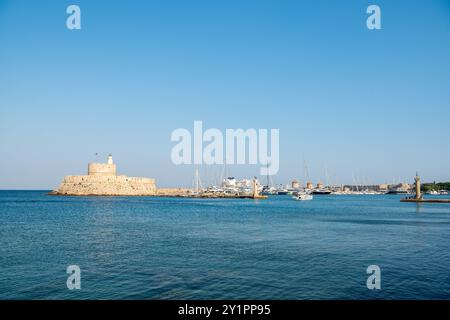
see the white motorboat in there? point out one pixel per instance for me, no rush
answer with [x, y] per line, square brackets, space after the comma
[303, 197]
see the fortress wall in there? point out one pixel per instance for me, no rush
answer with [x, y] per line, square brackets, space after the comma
[106, 185]
[102, 180]
[101, 169]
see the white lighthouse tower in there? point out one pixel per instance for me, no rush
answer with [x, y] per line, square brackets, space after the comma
[110, 160]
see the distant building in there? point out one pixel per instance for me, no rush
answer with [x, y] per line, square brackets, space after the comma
[229, 182]
[102, 169]
[406, 186]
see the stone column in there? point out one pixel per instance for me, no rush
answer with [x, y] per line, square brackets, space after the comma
[418, 192]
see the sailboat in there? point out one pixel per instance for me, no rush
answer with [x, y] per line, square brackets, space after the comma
[268, 189]
[196, 183]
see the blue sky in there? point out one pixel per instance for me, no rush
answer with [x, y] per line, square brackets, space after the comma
[345, 98]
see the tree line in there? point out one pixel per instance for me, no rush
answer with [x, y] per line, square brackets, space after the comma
[435, 186]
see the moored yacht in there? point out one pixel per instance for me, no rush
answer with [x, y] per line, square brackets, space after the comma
[398, 190]
[321, 191]
[266, 190]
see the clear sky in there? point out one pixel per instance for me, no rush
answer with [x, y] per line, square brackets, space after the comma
[374, 105]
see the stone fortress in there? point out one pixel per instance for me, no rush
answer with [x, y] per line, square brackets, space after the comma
[102, 180]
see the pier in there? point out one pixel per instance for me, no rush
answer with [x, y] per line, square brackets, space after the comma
[418, 198]
[191, 193]
[425, 200]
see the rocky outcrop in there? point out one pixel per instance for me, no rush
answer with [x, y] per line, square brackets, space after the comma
[173, 192]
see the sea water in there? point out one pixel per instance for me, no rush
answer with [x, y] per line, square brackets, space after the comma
[184, 248]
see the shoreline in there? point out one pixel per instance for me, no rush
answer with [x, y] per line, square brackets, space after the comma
[165, 193]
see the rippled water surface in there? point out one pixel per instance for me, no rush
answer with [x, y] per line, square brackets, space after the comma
[170, 248]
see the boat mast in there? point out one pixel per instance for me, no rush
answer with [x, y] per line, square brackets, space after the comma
[306, 172]
[197, 181]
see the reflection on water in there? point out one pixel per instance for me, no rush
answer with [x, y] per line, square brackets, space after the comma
[418, 207]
